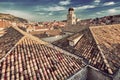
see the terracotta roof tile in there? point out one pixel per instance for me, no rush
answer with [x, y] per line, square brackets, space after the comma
[103, 58]
[32, 60]
[108, 38]
[9, 39]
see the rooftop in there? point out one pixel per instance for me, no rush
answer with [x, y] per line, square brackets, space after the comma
[29, 59]
[74, 28]
[99, 47]
[108, 39]
[8, 41]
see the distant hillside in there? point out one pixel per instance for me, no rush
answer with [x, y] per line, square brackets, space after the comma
[64, 20]
[10, 17]
[106, 20]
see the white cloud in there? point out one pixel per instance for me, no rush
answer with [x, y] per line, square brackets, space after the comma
[55, 8]
[107, 12]
[112, 11]
[50, 14]
[85, 7]
[41, 13]
[98, 13]
[48, 8]
[108, 3]
[97, 1]
[67, 2]
[37, 8]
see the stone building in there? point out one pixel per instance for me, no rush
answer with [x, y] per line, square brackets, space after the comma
[71, 17]
[30, 28]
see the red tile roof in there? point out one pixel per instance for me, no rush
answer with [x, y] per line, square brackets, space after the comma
[4, 24]
[99, 47]
[32, 60]
[10, 38]
[108, 39]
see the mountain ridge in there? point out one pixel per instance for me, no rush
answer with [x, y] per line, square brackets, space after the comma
[11, 17]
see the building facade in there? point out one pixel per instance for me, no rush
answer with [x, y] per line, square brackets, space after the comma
[71, 17]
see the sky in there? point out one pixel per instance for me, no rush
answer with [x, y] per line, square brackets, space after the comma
[50, 10]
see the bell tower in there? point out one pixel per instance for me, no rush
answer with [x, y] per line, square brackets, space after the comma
[71, 17]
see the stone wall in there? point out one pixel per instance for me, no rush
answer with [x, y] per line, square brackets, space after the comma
[81, 75]
[94, 74]
[117, 76]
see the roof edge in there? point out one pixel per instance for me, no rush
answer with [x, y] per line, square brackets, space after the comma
[110, 25]
[30, 36]
[11, 49]
[101, 52]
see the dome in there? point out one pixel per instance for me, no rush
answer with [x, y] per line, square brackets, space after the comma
[70, 9]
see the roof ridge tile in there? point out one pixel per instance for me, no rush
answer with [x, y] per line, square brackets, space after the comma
[101, 52]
